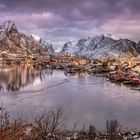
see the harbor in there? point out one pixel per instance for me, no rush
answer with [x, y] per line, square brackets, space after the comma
[126, 71]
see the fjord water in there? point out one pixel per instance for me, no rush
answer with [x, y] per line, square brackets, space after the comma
[87, 100]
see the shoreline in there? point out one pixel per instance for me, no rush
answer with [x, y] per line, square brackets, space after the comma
[113, 70]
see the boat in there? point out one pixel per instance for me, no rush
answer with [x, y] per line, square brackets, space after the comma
[117, 76]
[136, 88]
[127, 82]
[135, 81]
[132, 80]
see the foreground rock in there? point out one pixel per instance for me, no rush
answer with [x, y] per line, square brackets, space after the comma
[16, 45]
[102, 47]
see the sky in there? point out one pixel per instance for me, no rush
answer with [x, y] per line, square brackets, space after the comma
[59, 21]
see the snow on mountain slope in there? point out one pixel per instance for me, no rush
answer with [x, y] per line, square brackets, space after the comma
[101, 47]
[36, 38]
[45, 45]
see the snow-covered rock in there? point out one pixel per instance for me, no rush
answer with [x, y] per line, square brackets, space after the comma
[36, 38]
[101, 47]
[45, 45]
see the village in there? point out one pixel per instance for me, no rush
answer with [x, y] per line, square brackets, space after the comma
[125, 71]
[120, 71]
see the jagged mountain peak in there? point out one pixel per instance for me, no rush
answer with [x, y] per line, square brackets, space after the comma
[101, 47]
[102, 36]
[6, 27]
[14, 44]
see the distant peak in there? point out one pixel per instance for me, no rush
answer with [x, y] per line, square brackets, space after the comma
[9, 25]
[102, 35]
[99, 37]
[7, 22]
[6, 27]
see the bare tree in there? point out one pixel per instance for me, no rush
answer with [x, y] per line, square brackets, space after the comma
[42, 124]
[75, 127]
[56, 118]
[4, 119]
[113, 129]
[48, 122]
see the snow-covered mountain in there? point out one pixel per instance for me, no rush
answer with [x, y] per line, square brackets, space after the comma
[14, 44]
[45, 45]
[102, 47]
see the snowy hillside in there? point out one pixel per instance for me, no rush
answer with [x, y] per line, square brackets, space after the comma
[101, 47]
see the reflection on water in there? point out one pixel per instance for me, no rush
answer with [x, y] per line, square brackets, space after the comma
[80, 74]
[13, 79]
[89, 99]
[16, 78]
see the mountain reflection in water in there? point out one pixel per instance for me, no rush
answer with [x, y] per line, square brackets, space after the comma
[15, 78]
[88, 98]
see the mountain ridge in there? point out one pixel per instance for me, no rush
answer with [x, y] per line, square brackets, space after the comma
[14, 44]
[102, 47]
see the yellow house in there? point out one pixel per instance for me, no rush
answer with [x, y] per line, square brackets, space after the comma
[82, 62]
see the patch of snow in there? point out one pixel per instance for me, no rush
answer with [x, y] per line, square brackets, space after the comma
[36, 37]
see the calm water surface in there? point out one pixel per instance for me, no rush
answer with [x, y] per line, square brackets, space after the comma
[85, 99]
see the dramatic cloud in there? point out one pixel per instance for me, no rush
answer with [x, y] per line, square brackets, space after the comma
[61, 20]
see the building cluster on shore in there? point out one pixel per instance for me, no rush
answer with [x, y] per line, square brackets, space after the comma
[124, 71]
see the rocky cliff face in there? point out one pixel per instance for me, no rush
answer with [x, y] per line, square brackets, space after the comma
[138, 47]
[102, 47]
[45, 45]
[48, 47]
[14, 44]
